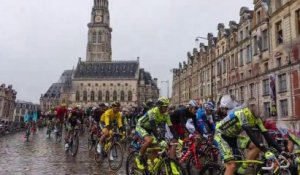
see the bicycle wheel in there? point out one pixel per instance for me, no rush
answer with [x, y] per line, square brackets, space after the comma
[211, 169]
[90, 143]
[115, 156]
[191, 165]
[75, 145]
[166, 168]
[131, 168]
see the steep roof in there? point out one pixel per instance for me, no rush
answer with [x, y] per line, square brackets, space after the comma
[54, 90]
[106, 70]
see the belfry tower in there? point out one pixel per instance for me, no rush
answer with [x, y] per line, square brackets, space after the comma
[99, 34]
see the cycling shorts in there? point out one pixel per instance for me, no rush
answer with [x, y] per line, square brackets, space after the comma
[228, 146]
[143, 133]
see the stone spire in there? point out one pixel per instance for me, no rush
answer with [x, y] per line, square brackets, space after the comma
[99, 34]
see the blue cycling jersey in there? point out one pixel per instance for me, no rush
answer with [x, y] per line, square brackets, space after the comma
[205, 122]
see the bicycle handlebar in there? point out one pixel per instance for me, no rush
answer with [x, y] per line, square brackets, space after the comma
[283, 159]
[268, 168]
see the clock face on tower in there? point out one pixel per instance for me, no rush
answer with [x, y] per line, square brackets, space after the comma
[98, 19]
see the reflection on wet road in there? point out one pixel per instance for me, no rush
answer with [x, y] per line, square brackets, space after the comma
[44, 156]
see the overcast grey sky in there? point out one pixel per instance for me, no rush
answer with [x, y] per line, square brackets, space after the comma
[41, 38]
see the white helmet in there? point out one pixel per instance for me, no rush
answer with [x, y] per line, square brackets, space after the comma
[228, 102]
[193, 103]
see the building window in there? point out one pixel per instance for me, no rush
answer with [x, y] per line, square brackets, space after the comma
[266, 66]
[84, 95]
[249, 56]
[278, 4]
[129, 96]
[247, 32]
[232, 61]
[278, 62]
[252, 90]
[236, 60]
[218, 68]
[266, 87]
[92, 96]
[77, 96]
[298, 21]
[100, 39]
[267, 110]
[284, 108]
[255, 45]
[224, 66]
[250, 73]
[122, 96]
[242, 76]
[242, 93]
[94, 37]
[282, 83]
[107, 96]
[99, 95]
[279, 34]
[258, 17]
[115, 97]
[241, 57]
[241, 35]
[265, 40]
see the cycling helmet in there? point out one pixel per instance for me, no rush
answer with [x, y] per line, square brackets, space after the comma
[227, 102]
[193, 103]
[163, 101]
[209, 105]
[116, 104]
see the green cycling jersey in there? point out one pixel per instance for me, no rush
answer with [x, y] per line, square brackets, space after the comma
[154, 114]
[232, 125]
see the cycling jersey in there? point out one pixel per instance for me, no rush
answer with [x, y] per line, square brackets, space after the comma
[155, 115]
[205, 122]
[109, 116]
[232, 125]
[179, 119]
[61, 113]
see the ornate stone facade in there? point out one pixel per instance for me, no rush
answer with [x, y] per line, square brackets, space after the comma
[99, 79]
[7, 102]
[256, 60]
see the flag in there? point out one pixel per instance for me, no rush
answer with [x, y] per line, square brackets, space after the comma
[265, 4]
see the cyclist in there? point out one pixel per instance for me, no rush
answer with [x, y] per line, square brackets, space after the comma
[61, 113]
[228, 132]
[154, 122]
[74, 119]
[180, 117]
[108, 118]
[205, 121]
[29, 119]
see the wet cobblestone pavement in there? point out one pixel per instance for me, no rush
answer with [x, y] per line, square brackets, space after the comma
[44, 156]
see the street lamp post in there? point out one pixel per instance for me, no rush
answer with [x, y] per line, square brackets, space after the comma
[166, 81]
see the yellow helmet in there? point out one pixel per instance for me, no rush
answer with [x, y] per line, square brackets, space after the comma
[163, 101]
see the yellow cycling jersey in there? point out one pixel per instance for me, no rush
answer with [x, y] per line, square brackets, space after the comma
[108, 116]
